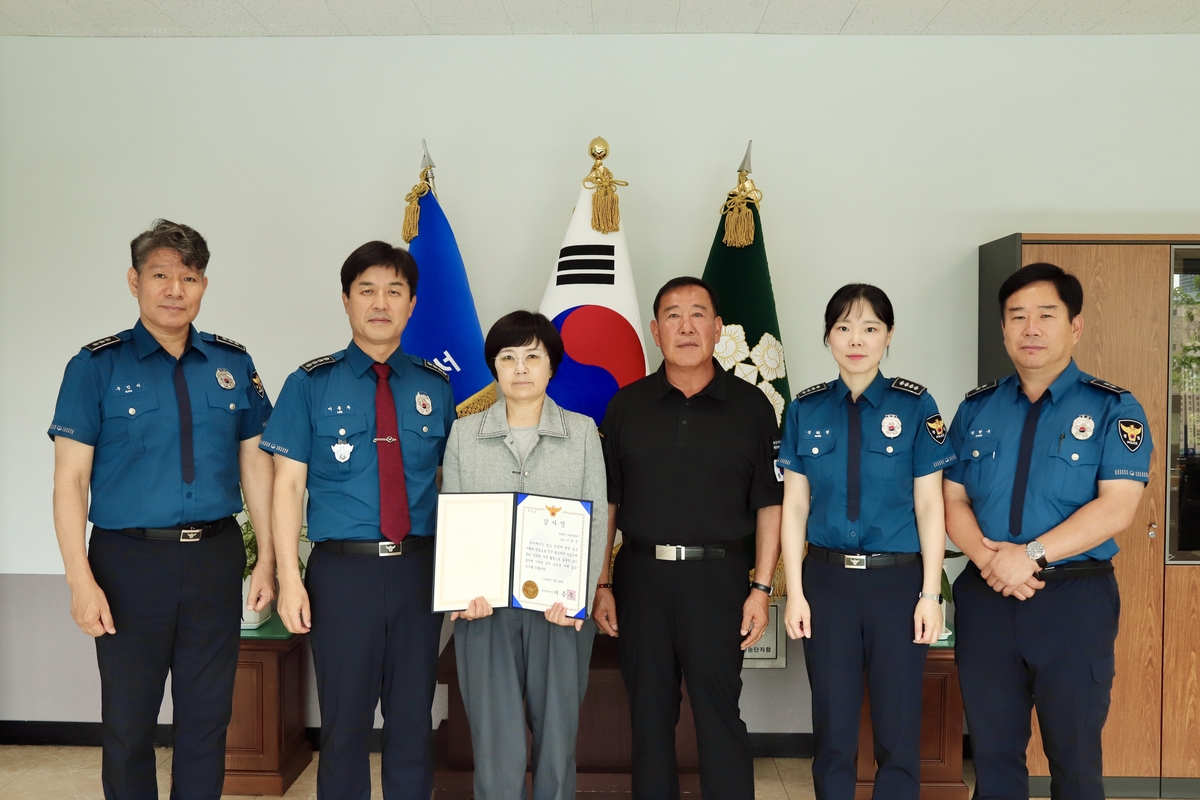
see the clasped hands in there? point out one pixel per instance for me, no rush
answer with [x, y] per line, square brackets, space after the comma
[1009, 570]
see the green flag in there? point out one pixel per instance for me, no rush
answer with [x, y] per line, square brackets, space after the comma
[749, 344]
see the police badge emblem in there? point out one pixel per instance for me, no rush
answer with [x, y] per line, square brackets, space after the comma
[1083, 426]
[936, 427]
[424, 404]
[225, 379]
[1131, 433]
[342, 450]
[256, 382]
[890, 426]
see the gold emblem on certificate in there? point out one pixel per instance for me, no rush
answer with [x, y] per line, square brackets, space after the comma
[225, 379]
[529, 589]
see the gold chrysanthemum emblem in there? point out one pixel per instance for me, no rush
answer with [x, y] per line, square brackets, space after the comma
[731, 348]
[767, 355]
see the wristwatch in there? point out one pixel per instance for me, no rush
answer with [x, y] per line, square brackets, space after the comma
[762, 587]
[937, 598]
[1037, 553]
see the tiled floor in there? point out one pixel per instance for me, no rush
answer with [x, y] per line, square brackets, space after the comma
[73, 773]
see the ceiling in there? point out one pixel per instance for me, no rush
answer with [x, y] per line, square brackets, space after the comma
[142, 18]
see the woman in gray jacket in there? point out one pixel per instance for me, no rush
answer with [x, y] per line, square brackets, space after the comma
[516, 665]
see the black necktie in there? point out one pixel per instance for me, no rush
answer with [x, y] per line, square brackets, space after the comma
[1017, 509]
[185, 422]
[853, 459]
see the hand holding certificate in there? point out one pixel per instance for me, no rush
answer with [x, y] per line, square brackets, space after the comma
[515, 550]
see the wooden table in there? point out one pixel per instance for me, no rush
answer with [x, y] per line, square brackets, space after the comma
[941, 732]
[265, 748]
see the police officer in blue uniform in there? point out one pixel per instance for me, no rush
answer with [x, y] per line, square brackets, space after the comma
[364, 429]
[1052, 464]
[863, 457]
[160, 422]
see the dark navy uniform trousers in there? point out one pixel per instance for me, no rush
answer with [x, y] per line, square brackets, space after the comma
[863, 621]
[1054, 651]
[683, 618]
[374, 640]
[177, 608]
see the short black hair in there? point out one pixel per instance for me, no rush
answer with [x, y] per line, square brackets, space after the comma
[684, 281]
[523, 328]
[164, 234]
[380, 254]
[845, 298]
[1069, 289]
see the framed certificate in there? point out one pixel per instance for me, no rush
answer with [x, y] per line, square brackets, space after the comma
[516, 550]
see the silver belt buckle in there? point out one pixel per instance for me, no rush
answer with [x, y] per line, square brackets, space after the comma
[667, 552]
[390, 549]
[856, 562]
[190, 534]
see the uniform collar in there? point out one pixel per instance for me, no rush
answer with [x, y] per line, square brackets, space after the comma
[495, 420]
[360, 362]
[1060, 385]
[716, 388]
[873, 393]
[145, 343]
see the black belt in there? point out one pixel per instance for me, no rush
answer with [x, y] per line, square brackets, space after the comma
[681, 552]
[351, 547]
[184, 533]
[1075, 569]
[864, 561]
[1072, 569]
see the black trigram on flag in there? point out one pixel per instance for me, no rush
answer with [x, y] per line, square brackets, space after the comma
[586, 263]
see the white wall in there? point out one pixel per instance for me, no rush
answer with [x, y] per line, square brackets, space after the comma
[884, 159]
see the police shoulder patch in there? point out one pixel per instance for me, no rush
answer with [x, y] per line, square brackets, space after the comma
[912, 387]
[230, 342]
[309, 366]
[431, 366]
[1112, 387]
[987, 387]
[820, 387]
[100, 344]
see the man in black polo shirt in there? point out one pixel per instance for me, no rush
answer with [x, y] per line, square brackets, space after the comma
[690, 458]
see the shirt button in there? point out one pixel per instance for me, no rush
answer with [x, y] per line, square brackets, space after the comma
[526, 474]
[816, 450]
[424, 429]
[975, 454]
[189, 494]
[683, 422]
[341, 431]
[1074, 456]
[233, 406]
[889, 449]
[132, 411]
[854, 533]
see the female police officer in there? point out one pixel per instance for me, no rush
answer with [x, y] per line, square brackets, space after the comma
[864, 456]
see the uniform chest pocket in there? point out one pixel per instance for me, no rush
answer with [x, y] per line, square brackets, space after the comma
[342, 444]
[127, 413]
[424, 436]
[230, 402]
[889, 459]
[979, 466]
[1073, 468]
[814, 452]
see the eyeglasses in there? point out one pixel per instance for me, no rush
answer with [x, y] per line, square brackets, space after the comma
[508, 361]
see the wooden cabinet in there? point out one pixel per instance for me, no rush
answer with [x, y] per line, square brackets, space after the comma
[265, 747]
[941, 734]
[1127, 285]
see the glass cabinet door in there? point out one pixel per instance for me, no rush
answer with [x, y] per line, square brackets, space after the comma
[1183, 516]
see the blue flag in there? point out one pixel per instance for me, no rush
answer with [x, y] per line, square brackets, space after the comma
[444, 327]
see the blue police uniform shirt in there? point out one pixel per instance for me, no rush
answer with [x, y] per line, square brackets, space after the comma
[118, 395]
[1088, 431]
[815, 445]
[330, 402]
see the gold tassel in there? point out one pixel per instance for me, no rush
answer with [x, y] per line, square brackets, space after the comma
[739, 219]
[606, 208]
[412, 212]
[482, 400]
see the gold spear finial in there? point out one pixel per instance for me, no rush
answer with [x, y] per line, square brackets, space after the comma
[739, 218]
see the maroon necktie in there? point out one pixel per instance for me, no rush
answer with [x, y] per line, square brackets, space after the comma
[393, 494]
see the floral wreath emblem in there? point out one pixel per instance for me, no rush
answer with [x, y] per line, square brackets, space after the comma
[765, 360]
